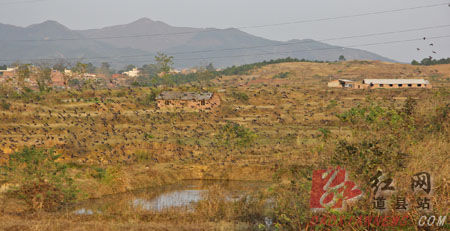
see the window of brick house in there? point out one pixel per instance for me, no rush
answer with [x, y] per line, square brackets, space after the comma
[400, 85]
[419, 85]
[203, 102]
[167, 102]
[381, 85]
[409, 85]
[391, 85]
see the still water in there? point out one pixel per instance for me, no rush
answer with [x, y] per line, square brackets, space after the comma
[157, 199]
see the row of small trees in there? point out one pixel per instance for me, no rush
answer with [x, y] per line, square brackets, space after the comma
[157, 73]
[430, 61]
[42, 74]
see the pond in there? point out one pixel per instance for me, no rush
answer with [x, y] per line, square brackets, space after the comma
[157, 199]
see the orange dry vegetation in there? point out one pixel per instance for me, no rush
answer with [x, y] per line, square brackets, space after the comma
[144, 146]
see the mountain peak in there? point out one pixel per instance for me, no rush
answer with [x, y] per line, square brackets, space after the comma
[143, 20]
[187, 40]
[148, 22]
[53, 22]
[48, 24]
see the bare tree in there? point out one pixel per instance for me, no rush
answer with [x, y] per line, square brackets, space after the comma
[43, 76]
[23, 73]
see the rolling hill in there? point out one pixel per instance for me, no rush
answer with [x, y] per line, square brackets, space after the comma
[139, 41]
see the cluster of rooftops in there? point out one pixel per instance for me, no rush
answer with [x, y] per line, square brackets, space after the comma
[343, 83]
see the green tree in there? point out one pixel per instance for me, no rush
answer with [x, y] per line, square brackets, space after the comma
[430, 61]
[39, 179]
[235, 134]
[341, 58]
[210, 67]
[149, 70]
[80, 68]
[90, 68]
[164, 62]
[61, 65]
[130, 67]
[105, 69]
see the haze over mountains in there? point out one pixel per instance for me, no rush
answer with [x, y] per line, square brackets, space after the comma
[129, 43]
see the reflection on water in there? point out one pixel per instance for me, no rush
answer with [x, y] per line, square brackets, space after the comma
[181, 195]
[84, 211]
[168, 200]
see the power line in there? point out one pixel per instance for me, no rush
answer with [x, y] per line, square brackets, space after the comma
[348, 16]
[19, 2]
[307, 50]
[302, 42]
[332, 48]
[322, 40]
[243, 27]
[235, 56]
[291, 43]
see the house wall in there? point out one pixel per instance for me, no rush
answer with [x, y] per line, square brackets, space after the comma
[57, 79]
[190, 104]
[360, 86]
[334, 83]
[8, 74]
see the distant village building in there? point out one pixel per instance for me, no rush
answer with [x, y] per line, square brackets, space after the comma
[68, 72]
[171, 72]
[90, 76]
[8, 73]
[118, 76]
[380, 83]
[396, 83]
[58, 80]
[119, 80]
[190, 100]
[132, 73]
[188, 71]
[174, 71]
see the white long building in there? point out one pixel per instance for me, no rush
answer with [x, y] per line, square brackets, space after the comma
[396, 83]
[380, 83]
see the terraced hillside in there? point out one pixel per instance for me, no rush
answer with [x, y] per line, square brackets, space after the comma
[287, 115]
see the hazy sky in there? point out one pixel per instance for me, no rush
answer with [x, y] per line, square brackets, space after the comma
[86, 14]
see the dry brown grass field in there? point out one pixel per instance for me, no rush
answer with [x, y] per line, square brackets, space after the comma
[136, 145]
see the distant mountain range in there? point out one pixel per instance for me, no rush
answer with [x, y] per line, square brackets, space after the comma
[137, 43]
